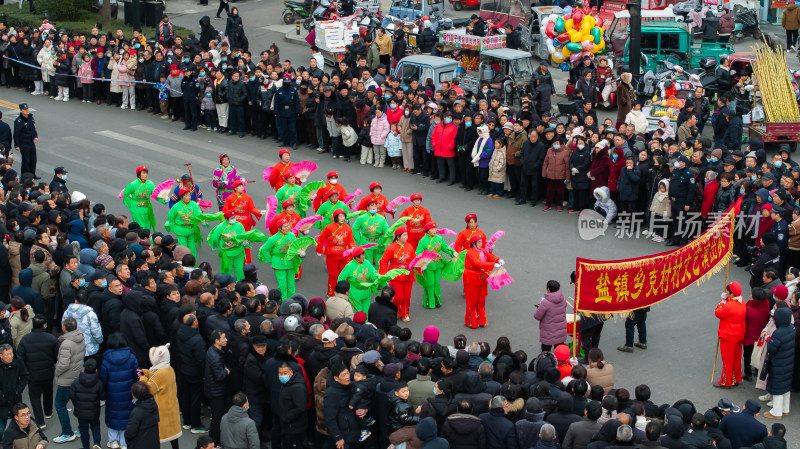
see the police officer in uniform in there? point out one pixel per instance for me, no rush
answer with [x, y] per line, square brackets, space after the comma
[25, 139]
[681, 193]
[780, 227]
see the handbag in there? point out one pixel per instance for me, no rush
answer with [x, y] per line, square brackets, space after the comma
[758, 349]
[762, 375]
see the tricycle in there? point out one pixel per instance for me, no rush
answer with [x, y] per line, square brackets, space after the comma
[508, 73]
[416, 9]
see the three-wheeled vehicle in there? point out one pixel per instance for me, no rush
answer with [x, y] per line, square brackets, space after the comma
[502, 12]
[423, 68]
[531, 37]
[416, 9]
[458, 5]
[508, 73]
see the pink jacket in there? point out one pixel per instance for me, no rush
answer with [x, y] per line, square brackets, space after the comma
[379, 129]
[124, 75]
[85, 71]
[552, 316]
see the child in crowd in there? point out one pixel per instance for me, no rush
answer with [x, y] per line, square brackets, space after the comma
[209, 110]
[86, 393]
[400, 413]
[660, 212]
[379, 130]
[349, 137]
[362, 391]
[497, 169]
[86, 75]
[394, 147]
[366, 143]
[163, 96]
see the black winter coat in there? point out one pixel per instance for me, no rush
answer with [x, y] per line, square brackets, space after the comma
[271, 380]
[13, 380]
[237, 93]
[292, 400]
[287, 102]
[142, 429]
[207, 32]
[399, 47]
[464, 432]
[63, 69]
[697, 439]
[86, 393]
[382, 313]
[628, 184]
[253, 381]
[132, 327]
[215, 373]
[563, 417]
[111, 311]
[191, 350]
[400, 413]
[420, 135]
[39, 351]
[339, 419]
[582, 160]
[427, 40]
[743, 429]
[781, 353]
[500, 432]
[533, 157]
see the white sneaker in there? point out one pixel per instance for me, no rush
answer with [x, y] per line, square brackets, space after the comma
[94, 446]
[186, 427]
[58, 98]
[65, 438]
[765, 397]
[36, 92]
[124, 106]
[65, 99]
[645, 233]
[113, 445]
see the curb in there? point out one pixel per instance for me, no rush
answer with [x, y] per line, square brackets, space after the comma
[293, 38]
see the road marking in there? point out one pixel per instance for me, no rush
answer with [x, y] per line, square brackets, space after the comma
[281, 28]
[13, 106]
[177, 154]
[82, 180]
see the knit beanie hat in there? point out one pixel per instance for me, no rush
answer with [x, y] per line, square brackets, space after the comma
[431, 334]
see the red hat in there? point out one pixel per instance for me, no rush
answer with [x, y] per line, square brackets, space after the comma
[430, 225]
[288, 174]
[283, 151]
[378, 90]
[735, 288]
[282, 221]
[132, 52]
[173, 67]
[360, 317]
[236, 183]
[229, 213]
[416, 196]
[780, 292]
[331, 192]
[141, 168]
[181, 192]
[470, 217]
[561, 352]
[338, 211]
[287, 203]
[374, 185]
[357, 251]
[475, 237]
[333, 174]
[400, 230]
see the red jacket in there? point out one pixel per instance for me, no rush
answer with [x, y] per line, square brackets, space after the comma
[755, 319]
[709, 193]
[396, 256]
[244, 209]
[615, 168]
[294, 218]
[464, 236]
[276, 175]
[475, 270]
[731, 320]
[443, 140]
[379, 199]
[394, 115]
[335, 239]
[322, 194]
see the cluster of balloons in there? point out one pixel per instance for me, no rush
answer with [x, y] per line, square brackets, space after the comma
[573, 35]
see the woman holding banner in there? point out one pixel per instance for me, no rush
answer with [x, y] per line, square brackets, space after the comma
[731, 311]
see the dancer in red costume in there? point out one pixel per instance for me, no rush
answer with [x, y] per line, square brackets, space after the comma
[472, 229]
[334, 240]
[242, 206]
[419, 218]
[477, 267]
[398, 255]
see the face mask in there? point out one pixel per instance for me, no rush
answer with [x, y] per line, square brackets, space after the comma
[52, 52]
[185, 60]
[553, 125]
[714, 160]
[224, 67]
[201, 74]
[333, 181]
[108, 55]
[373, 212]
[614, 157]
[677, 165]
[434, 391]
[104, 284]
[772, 312]
[778, 164]
[82, 282]
[136, 45]
[64, 178]
[448, 120]
[231, 220]
[237, 55]
[208, 95]
[388, 97]
[753, 178]
[485, 91]
[393, 106]
[556, 146]
[141, 59]
[284, 379]
[467, 124]
[406, 113]
[223, 59]
[580, 147]
[741, 191]
[16, 228]
[436, 122]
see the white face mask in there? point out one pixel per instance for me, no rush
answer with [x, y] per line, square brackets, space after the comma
[333, 181]
[232, 220]
[580, 147]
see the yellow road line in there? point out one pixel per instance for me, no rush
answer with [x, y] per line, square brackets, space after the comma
[9, 105]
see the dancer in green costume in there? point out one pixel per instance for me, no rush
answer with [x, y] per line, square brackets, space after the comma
[370, 228]
[327, 209]
[136, 198]
[357, 271]
[289, 191]
[180, 221]
[432, 274]
[231, 239]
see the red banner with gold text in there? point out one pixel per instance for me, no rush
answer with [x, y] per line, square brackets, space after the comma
[606, 287]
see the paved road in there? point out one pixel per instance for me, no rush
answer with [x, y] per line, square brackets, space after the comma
[102, 145]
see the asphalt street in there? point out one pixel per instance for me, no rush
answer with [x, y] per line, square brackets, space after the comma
[101, 146]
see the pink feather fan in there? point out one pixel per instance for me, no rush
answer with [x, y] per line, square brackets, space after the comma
[267, 172]
[349, 252]
[499, 278]
[351, 197]
[396, 201]
[423, 259]
[204, 204]
[306, 223]
[303, 169]
[272, 207]
[490, 243]
[162, 190]
[445, 231]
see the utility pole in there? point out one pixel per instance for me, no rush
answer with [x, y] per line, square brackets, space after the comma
[635, 46]
[137, 15]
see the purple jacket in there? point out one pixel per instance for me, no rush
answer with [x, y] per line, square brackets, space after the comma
[552, 316]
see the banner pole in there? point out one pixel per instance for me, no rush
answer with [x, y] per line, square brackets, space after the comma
[575, 329]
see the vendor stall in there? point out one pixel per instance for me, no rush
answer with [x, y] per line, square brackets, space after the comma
[459, 38]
